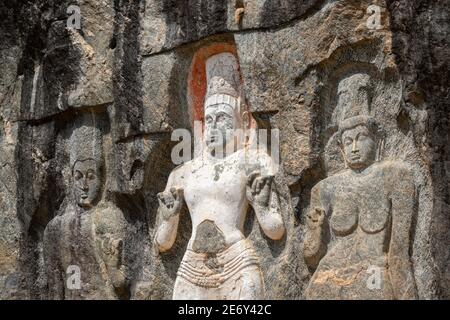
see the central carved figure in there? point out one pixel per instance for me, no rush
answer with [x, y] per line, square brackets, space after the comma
[220, 263]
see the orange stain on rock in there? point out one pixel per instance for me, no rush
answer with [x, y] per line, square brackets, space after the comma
[197, 78]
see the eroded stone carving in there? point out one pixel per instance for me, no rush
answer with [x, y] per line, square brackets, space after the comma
[360, 220]
[220, 263]
[89, 234]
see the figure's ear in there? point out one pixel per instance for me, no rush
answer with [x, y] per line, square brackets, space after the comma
[341, 149]
[245, 126]
[343, 155]
[246, 120]
[380, 150]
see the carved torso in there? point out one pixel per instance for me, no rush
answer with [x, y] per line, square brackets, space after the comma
[360, 206]
[358, 209]
[214, 191]
[83, 239]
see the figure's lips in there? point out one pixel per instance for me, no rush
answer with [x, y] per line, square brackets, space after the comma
[84, 196]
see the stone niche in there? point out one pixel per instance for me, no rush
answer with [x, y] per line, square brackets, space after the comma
[86, 119]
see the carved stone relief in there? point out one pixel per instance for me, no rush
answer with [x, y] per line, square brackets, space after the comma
[83, 246]
[219, 263]
[360, 221]
[93, 206]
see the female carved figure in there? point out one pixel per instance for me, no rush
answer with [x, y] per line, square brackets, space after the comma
[360, 222]
[220, 263]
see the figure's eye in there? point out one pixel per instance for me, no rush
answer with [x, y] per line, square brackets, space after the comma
[91, 176]
[223, 117]
[348, 141]
[362, 136]
[78, 175]
[209, 119]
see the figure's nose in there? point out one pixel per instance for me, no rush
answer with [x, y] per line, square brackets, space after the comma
[85, 185]
[355, 147]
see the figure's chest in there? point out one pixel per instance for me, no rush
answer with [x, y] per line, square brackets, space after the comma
[77, 239]
[360, 203]
[222, 181]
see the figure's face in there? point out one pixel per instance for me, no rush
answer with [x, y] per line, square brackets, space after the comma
[359, 147]
[220, 124]
[86, 183]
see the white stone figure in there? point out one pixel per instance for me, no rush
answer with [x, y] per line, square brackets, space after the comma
[220, 263]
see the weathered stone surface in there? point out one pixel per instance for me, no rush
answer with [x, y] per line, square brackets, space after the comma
[138, 69]
[167, 24]
[10, 89]
[421, 47]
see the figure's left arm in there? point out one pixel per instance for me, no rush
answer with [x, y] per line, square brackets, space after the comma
[403, 197]
[115, 264]
[263, 197]
[112, 245]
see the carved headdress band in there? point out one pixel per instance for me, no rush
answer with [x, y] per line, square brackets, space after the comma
[222, 72]
[353, 122]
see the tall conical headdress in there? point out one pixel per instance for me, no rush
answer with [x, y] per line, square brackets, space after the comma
[353, 98]
[353, 101]
[85, 140]
[222, 75]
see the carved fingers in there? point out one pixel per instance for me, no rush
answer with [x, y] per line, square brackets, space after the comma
[112, 249]
[259, 188]
[315, 218]
[170, 202]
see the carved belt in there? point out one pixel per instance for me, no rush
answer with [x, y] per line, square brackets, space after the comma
[211, 270]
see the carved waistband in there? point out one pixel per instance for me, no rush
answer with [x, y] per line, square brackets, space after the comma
[212, 270]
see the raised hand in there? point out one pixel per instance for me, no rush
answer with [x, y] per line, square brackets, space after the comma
[315, 218]
[112, 249]
[170, 202]
[259, 189]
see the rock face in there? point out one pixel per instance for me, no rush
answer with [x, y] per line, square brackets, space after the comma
[357, 90]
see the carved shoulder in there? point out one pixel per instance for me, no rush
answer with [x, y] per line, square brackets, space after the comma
[323, 192]
[399, 167]
[330, 183]
[109, 218]
[176, 177]
[318, 187]
[53, 226]
[65, 215]
[397, 172]
[316, 192]
[260, 160]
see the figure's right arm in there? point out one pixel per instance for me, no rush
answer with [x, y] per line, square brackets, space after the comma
[52, 263]
[315, 240]
[170, 204]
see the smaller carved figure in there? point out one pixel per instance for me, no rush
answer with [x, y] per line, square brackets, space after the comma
[83, 247]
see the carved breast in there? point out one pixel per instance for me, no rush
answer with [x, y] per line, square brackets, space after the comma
[361, 202]
[344, 218]
[374, 219]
